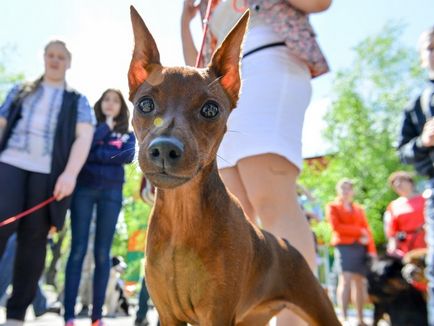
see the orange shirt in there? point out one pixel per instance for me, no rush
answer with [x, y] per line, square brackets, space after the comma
[347, 225]
[407, 215]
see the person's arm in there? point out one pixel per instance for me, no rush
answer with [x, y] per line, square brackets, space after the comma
[410, 146]
[332, 215]
[65, 184]
[371, 243]
[123, 155]
[311, 6]
[2, 126]
[101, 131]
[188, 48]
[6, 106]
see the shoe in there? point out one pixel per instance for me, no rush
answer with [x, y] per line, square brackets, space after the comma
[98, 322]
[141, 322]
[70, 322]
[55, 308]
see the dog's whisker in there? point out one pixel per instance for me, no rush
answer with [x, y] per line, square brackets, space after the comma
[223, 159]
[122, 152]
[214, 81]
[233, 131]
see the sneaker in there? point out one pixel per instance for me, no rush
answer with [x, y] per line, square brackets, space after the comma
[70, 322]
[98, 322]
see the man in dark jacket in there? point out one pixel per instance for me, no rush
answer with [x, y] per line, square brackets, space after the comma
[416, 147]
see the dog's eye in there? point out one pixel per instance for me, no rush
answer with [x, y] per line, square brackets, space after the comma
[146, 105]
[210, 110]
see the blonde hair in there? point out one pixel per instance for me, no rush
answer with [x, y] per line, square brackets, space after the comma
[425, 37]
[58, 42]
[344, 181]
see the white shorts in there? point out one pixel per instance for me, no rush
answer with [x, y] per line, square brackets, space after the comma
[269, 117]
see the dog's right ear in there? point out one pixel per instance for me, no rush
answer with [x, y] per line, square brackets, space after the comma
[145, 53]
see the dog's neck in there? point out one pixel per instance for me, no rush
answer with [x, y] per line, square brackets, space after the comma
[204, 199]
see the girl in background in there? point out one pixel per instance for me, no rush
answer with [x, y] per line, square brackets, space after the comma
[99, 185]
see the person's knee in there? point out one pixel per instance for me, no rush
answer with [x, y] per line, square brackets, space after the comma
[78, 252]
[102, 258]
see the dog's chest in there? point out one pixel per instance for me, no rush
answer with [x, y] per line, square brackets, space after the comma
[178, 276]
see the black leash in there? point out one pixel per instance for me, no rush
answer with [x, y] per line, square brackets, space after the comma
[266, 46]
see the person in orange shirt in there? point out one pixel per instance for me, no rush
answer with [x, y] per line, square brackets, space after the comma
[353, 242]
[404, 218]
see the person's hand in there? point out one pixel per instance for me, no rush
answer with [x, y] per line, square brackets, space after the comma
[427, 136]
[65, 185]
[110, 122]
[189, 11]
[364, 238]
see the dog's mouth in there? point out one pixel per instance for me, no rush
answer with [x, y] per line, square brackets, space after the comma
[163, 179]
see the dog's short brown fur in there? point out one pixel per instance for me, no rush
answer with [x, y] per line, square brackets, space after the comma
[206, 263]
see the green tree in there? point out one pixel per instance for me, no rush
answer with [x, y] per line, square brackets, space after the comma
[7, 78]
[363, 122]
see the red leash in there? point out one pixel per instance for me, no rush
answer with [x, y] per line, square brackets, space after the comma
[27, 212]
[205, 30]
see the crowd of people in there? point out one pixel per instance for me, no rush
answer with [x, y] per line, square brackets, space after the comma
[54, 145]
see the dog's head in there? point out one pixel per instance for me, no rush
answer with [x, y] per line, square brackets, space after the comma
[414, 266]
[118, 264]
[180, 113]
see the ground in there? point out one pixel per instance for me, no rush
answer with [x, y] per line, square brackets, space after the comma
[56, 320]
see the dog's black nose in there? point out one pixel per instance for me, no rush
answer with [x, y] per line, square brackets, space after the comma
[165, 151]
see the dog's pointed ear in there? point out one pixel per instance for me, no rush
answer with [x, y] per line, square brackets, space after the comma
[145, 53]
[225, 61]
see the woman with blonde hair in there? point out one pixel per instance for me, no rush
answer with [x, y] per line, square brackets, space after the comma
[46, 129]
[353, 242]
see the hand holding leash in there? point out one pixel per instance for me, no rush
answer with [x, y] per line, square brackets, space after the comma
[64, 186]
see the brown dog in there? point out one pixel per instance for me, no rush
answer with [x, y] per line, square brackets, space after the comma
[414, 269]
[206, 263]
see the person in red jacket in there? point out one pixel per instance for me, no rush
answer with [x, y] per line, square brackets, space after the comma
[353, 242]
[404, 218]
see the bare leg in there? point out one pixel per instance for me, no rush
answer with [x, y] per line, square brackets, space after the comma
[359, 295]
[269, 187]
[233, 183]
[344, 292]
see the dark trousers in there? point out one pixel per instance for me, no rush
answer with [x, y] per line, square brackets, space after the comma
[39, 303]
[20, 190]
[108, 203]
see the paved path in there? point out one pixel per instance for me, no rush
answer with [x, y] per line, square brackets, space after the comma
[55, 320]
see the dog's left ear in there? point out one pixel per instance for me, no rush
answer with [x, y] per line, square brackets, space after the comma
[145, 53]
[225, 61]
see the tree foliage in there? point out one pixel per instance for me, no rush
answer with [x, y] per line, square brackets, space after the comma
[363, 122]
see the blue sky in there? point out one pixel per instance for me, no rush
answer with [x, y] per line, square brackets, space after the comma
[100, 38]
